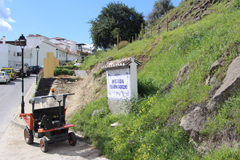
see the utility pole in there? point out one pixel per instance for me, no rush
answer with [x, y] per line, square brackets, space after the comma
[117, 42]
[167, 24]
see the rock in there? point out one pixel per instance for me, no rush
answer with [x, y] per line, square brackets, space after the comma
[207, 12]
[167, 88]
[80, 73]
[230, 84]
[198, 18]
[94, 113]
[115, 124]
[212, 70]
[193, 122]
[215, 67]
[181, 74]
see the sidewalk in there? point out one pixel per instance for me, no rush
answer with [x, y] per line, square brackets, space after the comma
[27, 108]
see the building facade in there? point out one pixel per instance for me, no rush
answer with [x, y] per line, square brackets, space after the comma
[64, 50]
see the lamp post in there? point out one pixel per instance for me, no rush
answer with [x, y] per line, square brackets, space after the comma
[66, 55]
[56, 52]
[22, 43]
[37, 49]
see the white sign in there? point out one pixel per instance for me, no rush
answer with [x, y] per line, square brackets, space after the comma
[59, 97]
[118, 84]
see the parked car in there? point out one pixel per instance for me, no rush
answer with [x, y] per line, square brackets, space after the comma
[18, 69]
[4, 78]
[11, 72]
[35, 69]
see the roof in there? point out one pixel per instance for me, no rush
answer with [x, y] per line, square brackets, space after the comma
[80, 44]
[15, 43]
[32, 35]
[84, 52]
[120, 63]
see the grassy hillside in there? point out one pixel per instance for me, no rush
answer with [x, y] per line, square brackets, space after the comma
[151, 130]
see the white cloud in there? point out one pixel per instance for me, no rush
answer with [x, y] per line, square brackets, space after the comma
[5, 18]
[5, 26]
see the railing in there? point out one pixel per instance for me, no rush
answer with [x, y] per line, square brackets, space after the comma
[86, 50]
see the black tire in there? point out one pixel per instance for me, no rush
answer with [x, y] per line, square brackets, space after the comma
[28, 136]
[43, 144]
[72, 140]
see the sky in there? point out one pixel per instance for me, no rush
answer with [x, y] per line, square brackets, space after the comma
[58, 18]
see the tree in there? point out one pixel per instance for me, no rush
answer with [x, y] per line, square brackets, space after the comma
[114, 18]
[160, 7]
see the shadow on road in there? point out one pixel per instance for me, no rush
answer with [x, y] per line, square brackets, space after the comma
[82, 149]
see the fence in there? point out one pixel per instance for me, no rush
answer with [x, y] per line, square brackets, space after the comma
[147, 31]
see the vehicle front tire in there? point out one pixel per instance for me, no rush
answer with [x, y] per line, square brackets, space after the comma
[43, 144]
[72, 139]
[28, 136]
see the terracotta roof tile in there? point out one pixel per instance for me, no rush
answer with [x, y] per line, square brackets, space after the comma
[120, 63]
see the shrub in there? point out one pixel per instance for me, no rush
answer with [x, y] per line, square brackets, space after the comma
[58, 71]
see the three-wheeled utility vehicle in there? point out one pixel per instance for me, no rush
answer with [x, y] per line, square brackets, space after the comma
[48, 121]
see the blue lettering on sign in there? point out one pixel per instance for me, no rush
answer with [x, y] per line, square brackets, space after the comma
[113, 86]
[118, 86]
[117, 81]
[122, 86]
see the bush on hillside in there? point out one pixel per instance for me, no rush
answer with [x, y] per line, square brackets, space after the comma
[160, 8]
[58, 71]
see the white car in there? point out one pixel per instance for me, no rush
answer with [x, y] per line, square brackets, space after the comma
[4, 77]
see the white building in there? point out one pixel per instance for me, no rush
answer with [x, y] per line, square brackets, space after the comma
[64, 50]
[10, 54]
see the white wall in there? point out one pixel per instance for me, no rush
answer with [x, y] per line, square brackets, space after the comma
[8, 54]
[32, 42]
[3, 55]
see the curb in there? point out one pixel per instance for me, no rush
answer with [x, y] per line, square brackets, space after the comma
[15, 116]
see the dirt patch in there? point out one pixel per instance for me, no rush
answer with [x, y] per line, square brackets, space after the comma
[145, 57]
[86, 89]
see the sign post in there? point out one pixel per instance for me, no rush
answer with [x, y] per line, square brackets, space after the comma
[121, 83]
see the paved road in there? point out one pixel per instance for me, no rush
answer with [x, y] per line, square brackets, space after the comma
[10, 99]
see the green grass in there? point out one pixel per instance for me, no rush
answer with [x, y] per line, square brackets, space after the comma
[151, 129]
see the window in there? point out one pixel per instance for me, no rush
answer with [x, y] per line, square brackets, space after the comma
[19, 53]
[8, 71]
[9, 52]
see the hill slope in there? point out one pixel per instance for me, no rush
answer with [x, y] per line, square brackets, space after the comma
[172, 84]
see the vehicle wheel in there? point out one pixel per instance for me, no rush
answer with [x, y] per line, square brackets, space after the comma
[28, 136]
[43, 144]
[72, 139]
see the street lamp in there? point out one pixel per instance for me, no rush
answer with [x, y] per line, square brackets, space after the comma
[66, 55]
[56, 52]
[37, 49]
[22, 43]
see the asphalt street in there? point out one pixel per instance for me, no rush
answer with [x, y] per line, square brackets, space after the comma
[10, 99]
